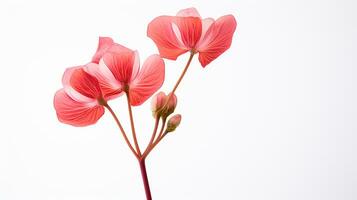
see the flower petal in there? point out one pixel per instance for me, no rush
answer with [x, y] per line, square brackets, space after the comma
[217, 39]
[161, 32]
[111, 88]
[188, 12]
[121, 65]
[106, 44]
[70, 90]
[75, 113]
[136, 65]
[206, 24]
[117, 48]
[103, 45]
[190, 29]
[148, 81]
[85, 84]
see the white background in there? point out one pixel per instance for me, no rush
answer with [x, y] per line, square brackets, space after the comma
[272, 118]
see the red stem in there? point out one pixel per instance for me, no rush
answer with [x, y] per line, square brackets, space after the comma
[132, 125]
[145, 179]
[182, 74]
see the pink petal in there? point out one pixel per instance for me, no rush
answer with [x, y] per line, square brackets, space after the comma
[104, 44]
[158, 101]
[190, 29]
[148, 81]
[75, 113]
[69, 89]
[117, 48]
[136, 65]
[188, 12]
[206, 24]
[121, 65]
[85, 84]
[111, 88]
[161, 32]
[217, 39]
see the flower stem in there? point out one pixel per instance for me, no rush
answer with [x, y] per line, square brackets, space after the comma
[121, 129]
[157, 141]
[145, 179]
[132, 125]
[153, 144]
[157, 119]
[183, 72]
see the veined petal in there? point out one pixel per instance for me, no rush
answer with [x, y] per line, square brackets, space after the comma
[148, 81]
[136, 65]
[106, 44]
[190, 29]
[121, 65]
[188, 12]
[69, 89]
[85, 84]
[117, 48]
[103, 45]
[75, 113]
[217, 39]
[161, 32]
[206, 24]
[111, 88]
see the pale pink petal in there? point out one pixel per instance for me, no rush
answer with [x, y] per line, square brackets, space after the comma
[111, 88]
[136, 65]
[217, 39]
[158, 101]
[86, 84]
[206, 23]
[75, 113]
[117, 48]
[103, 45]
[106, 44]
[148, 81]
[190, 29]
[69, 89]
[161, 32]
[121, 65]
[188, 12]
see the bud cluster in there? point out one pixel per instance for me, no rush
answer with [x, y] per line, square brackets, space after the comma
[163, 105]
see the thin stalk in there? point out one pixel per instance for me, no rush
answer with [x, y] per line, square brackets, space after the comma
[183, 72]
[132, 125]
[121, 130]
[158, 139]
[162, 128]
[181, 77]
[157, 119]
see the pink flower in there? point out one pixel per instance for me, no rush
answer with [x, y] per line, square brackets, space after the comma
[80, 101]
[86, 89]
[119, 72]
[175, 35]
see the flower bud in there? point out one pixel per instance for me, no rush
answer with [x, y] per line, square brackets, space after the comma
[173, 123]
[158, 103]
[170, 105]
[161, 105]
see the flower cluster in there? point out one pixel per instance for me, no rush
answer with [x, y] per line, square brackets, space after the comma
[187, 31]
[114, 70]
